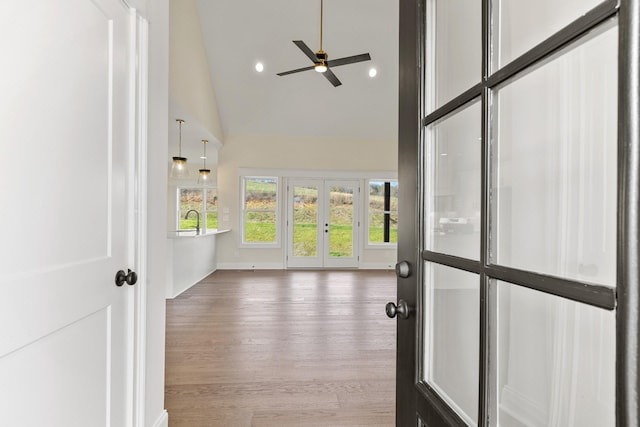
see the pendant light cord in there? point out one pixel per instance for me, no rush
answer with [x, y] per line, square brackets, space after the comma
[204, 161]
[180, 139]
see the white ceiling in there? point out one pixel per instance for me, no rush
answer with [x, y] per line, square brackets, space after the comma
[239, 33]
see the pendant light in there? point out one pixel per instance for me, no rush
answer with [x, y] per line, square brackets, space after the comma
[204, 172]
[179, 167]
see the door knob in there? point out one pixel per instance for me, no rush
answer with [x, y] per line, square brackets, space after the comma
[401, 310]
[403, 269]
[131, 277]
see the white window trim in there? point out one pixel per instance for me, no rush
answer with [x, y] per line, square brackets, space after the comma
[278, 212]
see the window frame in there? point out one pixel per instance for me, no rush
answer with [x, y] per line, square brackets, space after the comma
[203, 209]
[277, 211]
[368, 244]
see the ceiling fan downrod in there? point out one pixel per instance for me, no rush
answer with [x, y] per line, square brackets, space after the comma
[321, 15]
[321, 66]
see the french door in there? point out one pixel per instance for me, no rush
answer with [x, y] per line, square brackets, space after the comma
[322, 223]
[518, 290]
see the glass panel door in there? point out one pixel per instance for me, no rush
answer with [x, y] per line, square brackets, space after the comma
[555, 361]
[304, 228]
[519, 26]
[555, 156]
[518, 252]
[454, 148]
[452, 304]
[341, 223]
[322, 223]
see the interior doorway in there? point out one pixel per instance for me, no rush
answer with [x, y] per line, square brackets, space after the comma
[323, 223]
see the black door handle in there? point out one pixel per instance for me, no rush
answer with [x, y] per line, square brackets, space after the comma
[131, 277]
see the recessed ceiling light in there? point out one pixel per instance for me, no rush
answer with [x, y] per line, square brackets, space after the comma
[373, 72]
[259, 67]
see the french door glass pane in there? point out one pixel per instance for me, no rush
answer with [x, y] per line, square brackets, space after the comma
[454, 57]
[453, 147]
[554, 165]
[556, 361]
[305, 221]
[340, 221]
[452, 315]
[520, 25]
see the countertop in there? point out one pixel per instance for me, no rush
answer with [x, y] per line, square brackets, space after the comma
[175, 234]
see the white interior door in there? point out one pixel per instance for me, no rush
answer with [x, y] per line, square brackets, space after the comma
[323, 223]
[65, 84]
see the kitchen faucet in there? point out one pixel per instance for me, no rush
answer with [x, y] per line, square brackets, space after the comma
[197, 219]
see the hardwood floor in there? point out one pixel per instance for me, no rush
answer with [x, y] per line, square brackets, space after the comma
[282, 348]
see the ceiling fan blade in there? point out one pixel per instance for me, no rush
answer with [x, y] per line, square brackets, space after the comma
[284, 73]
[332, 78]
[349, 60]
[306, 50]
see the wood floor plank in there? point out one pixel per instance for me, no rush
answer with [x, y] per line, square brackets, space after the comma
[282, 348]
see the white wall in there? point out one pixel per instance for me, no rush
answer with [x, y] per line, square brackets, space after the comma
[189, 74]
[190, 259]
[287, 152]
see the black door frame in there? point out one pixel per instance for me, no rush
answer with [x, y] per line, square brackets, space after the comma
[625, 299]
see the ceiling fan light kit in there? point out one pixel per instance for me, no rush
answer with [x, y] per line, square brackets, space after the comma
[320, 58]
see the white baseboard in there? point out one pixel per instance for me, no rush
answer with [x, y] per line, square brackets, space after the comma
[174, 293]
[163, 420]
[376, 266]
[280, 266]
[250, 266]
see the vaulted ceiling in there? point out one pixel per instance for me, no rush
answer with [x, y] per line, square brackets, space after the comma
[237, 34]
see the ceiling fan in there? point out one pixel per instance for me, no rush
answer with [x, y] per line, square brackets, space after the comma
[320, 59]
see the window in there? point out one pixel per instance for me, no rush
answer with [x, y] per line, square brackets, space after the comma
[383, 212]
[202, 200]
[211, 209]
[260, 210]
